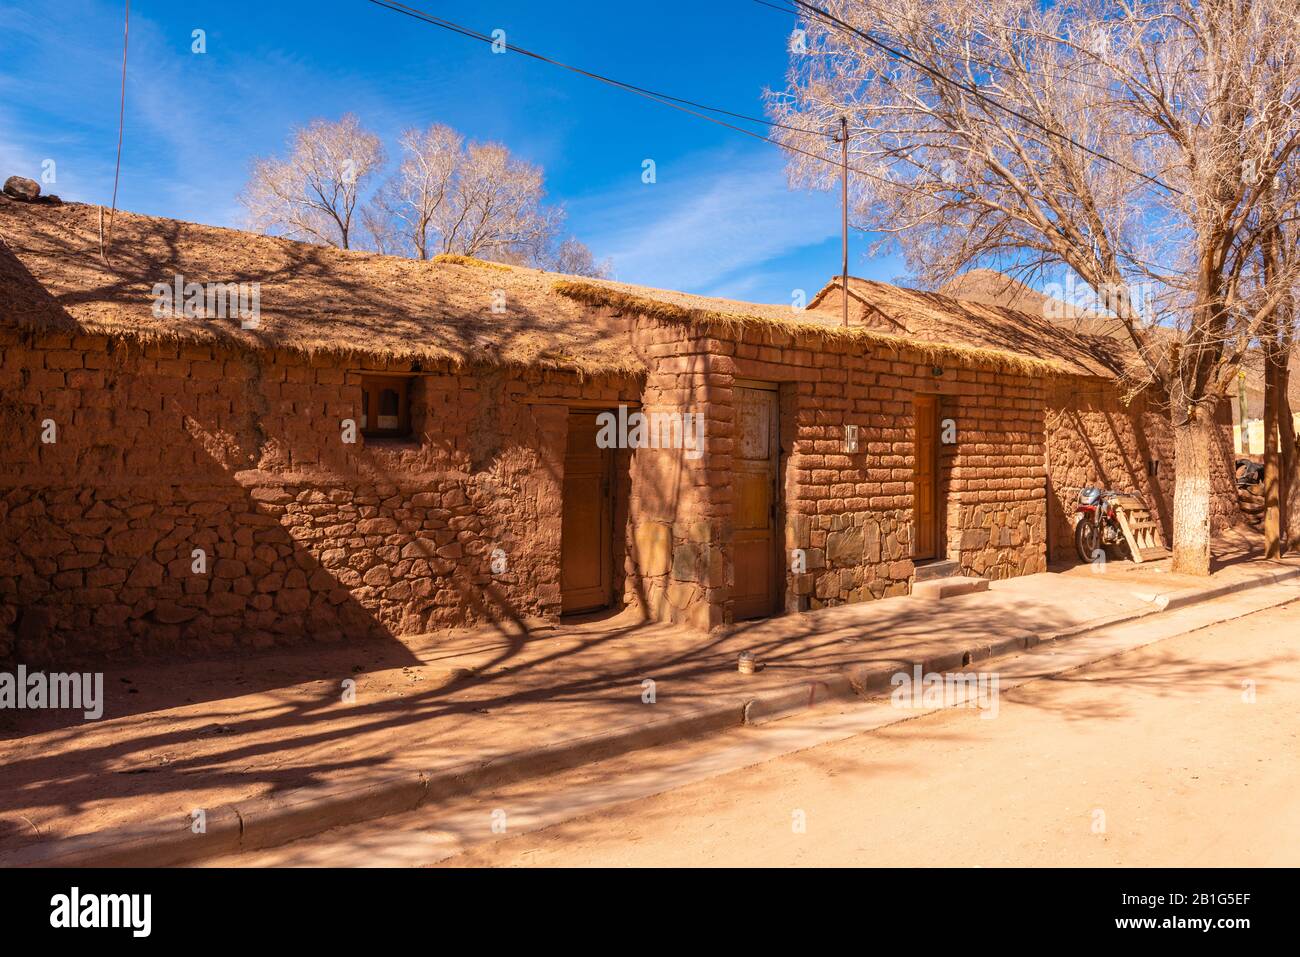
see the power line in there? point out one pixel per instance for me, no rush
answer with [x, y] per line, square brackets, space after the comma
[973, 38]
[827, 18]
[830, 19]
[121, 122]
[630, 87]
[690, 107]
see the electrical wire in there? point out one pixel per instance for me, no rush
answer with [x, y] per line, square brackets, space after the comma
[829, 19]
[691, 107]
[121, 122]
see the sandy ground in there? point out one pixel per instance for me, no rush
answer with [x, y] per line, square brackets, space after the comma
[187, 735]
[1151, 757]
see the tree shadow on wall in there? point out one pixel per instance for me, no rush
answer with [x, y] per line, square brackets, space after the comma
[312, 296]
[115, 518]
[264, 572]
[1132, 475]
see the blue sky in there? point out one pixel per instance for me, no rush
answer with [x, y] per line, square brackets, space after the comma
[719, 220]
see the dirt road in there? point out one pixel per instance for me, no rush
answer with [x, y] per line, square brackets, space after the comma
[1184, 752]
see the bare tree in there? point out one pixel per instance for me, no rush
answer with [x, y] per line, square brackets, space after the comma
[1277, 339]
[1130, 143]
[444, 197]
[426, 181]
[313, 193]
[496, 207]
[573, 257]
[472, 200]
[380, 228]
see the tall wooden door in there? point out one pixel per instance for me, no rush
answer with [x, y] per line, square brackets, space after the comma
[586, 532]
[925, 477]
[754, 480]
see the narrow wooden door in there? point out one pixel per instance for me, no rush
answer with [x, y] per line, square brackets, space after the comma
[925, 477]
[754, 480]
[586, 533]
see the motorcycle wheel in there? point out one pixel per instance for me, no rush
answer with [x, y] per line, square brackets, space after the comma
[1085, 539]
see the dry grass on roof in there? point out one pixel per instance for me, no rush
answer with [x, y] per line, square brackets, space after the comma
[458, 260]
[812, 325]
[313, 299]
[992, 288]
[318, 299]
[933, 316]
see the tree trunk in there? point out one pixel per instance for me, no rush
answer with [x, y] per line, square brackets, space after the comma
[1193, 442]
[1286, 483]
[1276, 341]
[1274, 523]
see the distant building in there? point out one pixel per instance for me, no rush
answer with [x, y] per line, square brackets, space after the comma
[392, 447]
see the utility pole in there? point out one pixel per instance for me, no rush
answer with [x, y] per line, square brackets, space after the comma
[844, 214]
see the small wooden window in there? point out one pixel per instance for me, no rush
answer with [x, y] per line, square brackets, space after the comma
[385, 406]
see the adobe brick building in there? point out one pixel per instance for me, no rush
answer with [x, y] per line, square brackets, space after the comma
[390, 447]
[1097, 431]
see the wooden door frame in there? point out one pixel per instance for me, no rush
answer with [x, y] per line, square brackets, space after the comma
[776, 513]
[935, 402]
[609, 509]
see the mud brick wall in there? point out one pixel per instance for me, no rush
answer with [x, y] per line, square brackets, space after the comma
[1093, 438]
[849, 513]
[996, 503]
[1225, 507]
[680, 506]
[853, 512]
[164, 449]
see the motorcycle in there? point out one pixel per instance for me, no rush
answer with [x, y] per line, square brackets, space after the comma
[1249, 473]
[1096, 526]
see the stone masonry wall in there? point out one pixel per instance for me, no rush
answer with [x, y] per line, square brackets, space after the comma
[680, 503]
[167, 452]
[850, 514]
[166, 449]
[1095, 439]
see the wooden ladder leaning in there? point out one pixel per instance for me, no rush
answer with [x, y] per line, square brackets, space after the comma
[1146, 542]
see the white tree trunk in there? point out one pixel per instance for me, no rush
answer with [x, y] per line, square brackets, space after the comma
[1193, 440]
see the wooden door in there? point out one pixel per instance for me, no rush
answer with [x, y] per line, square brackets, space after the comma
[754, 478]
[925, 477]
[586, 532]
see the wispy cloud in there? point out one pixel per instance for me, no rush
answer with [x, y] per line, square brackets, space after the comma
[720, 220]
[707, 224]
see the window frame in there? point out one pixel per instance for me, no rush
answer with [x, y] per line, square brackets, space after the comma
[372, 387]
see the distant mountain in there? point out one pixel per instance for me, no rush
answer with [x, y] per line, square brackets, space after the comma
[992, 288]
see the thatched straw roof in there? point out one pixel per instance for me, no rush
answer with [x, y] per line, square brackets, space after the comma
[320, 299]
[312, 298]
[991, 287]
[935, 317]
[765, 320]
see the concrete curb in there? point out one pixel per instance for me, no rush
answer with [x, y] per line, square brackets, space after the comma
[267, 822]
[1192, 596]
[870, 680]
